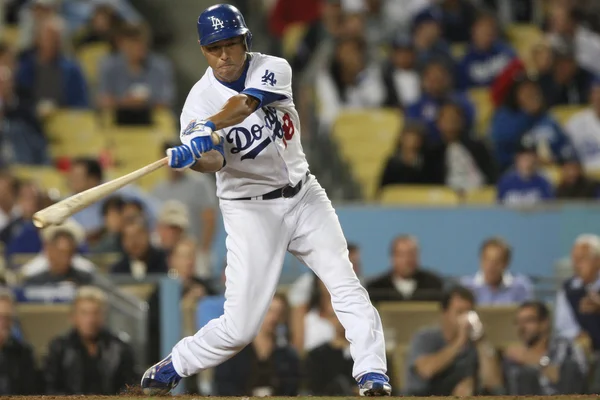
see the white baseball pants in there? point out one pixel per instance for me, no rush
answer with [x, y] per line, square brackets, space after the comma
[259, 232]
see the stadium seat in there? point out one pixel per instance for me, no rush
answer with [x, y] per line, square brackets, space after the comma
[498, 322]
[74, 133]
[367, 137]
[419, 195]
[41, 323]
[90, 57]
[10, 35]
[401, 320]
[564, 113]
[482, 196]
[292, 36]
[485, 108]
[553, 173]
[142, 291]
[523, 38]
[458, 50]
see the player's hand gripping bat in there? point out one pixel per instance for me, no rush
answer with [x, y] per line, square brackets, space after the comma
[57, 213]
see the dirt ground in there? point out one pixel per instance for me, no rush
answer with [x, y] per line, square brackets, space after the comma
[186, 397]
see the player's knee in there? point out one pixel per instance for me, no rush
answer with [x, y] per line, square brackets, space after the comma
[241, 336]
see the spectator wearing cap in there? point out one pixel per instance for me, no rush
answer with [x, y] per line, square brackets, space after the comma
[486, 56]
[60, 247]
[524, 114]
[89, 359]
[452, 358]
[438, 89]
[574, 184]
[197, 192]
[429, 44]
[566, 31]
[524, 185]
[18, 372]
[350, 81]
[583, 130]
[135, 78]
[577, 309]
[86, 173]
[400, 77]
[541, 364]
[41, 263]
[109, 238]
[140, 257]
[493, 284]
[408, 164]
[54, 79]
[460, 162]
[407, 280]
[171, 227]
[566, 83]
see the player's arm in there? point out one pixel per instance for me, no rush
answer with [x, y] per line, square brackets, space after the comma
[212, 161]
[235, 111]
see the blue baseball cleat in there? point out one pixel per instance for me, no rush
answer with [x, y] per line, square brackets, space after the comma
[160, 378]
[374, 384]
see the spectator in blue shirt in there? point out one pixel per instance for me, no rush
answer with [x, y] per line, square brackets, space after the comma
[437, 90]
[577, 309]
[486, 56]
[524, 185]
[53, 79]
[524, 113]
[429, 43]
[493, 284]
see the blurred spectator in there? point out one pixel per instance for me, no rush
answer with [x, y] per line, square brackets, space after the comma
[542, 365]
[437, 89]
[574, 184]
[493, 284]
[21, 127]
[515, 11]
[524, 186]
[109, 239]
[140, 257]
[524, 114]
[328, 368]
[457, 18]
[542, 57]
[181, 263]
[566, 83]
[77, 13]
[89, 359]
[407, 279]
[504, 82]
[349, 82]
[18, 372]
[9, 209]
[286, 13]
[40, 263]
[135, 78]
[447, 359]
[301, 293]
[577, 310]
[428, 41]
[407, 165]
[59, 249]
[267, 366]
[486, 56]
[566, 31]
[583, 129]
[86, 173]
[459, 162]
[32, 16]
[8, 57]
[172, 225]
[29, 201]
[53, 79]
[197, 192]
[101, 27]
[401, 80]
[134, 209]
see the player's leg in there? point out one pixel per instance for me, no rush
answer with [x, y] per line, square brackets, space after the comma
[318, 241]
[256, 245]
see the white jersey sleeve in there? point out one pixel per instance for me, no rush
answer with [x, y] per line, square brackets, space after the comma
[269, 80]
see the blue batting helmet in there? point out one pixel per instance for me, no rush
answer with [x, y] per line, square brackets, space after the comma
[220, 22]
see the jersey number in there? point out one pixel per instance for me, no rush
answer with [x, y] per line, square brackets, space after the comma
[269, 77]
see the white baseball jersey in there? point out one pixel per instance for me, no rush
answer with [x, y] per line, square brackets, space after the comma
[583, 129]
[264, 152]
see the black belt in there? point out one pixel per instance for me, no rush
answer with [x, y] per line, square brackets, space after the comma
[285, 192]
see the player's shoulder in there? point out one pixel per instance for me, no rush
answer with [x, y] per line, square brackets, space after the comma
[258, 60]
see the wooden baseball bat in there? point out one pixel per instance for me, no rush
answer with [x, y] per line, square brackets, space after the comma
[57, 213]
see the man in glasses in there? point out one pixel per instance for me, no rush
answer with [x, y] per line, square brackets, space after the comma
[541, 364]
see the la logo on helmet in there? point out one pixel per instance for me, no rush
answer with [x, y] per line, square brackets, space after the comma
[216, 22]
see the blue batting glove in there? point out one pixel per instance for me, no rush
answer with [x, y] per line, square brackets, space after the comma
[197, 136]
[180, 157]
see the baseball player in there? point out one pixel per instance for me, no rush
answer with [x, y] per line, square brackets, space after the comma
[270, 204]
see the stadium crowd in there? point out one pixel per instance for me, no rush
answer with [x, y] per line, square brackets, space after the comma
[421, 57]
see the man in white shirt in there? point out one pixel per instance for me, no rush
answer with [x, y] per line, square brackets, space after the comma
[584, 131]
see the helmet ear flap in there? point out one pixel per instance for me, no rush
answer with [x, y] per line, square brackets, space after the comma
[248, 40]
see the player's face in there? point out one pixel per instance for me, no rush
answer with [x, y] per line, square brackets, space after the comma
[226, 58]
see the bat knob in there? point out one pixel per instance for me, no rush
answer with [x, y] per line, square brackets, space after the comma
[39, 222]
